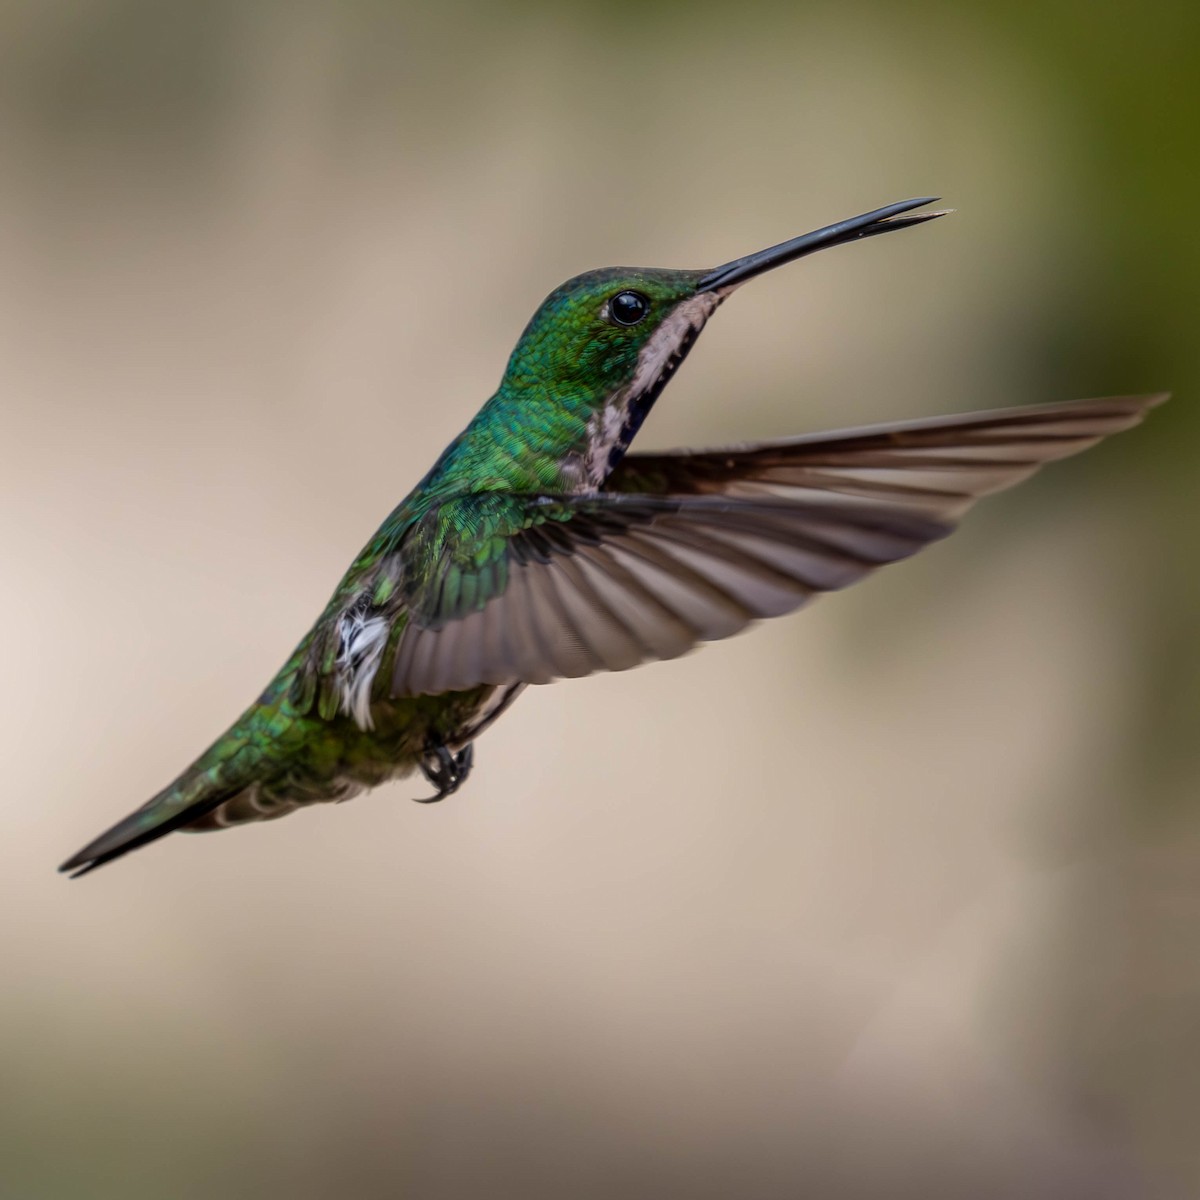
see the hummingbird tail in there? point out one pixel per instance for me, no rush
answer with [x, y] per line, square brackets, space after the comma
[191, 797]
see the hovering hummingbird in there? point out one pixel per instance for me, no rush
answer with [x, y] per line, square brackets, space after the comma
[537, 548]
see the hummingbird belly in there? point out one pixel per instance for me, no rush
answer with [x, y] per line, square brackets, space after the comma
[324, 762]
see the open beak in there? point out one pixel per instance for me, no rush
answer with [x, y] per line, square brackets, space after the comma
[882, 220]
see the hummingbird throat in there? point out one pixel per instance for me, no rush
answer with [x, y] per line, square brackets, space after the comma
[614, 425]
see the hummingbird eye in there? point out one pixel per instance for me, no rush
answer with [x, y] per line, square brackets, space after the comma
[628, 308]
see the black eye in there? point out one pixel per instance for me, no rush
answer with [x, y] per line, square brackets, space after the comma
[628, 308]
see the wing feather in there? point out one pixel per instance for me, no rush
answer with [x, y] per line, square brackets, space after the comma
[655, 628]
[941, 465]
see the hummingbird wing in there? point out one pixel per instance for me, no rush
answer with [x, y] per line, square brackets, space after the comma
[565, 586]
[940, 465]
[683, 548]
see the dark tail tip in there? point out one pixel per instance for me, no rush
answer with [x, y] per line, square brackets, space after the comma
[139, 829]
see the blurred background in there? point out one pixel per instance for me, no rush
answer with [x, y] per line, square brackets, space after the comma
[899, 897]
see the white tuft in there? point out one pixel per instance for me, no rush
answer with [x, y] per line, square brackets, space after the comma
[361, 641]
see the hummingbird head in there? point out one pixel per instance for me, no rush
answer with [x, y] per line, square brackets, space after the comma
[594, 332]
[612, 338]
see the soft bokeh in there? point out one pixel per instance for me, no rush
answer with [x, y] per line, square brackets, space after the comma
[899, 897]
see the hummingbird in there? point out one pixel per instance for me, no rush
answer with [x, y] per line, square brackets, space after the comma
[537, 548]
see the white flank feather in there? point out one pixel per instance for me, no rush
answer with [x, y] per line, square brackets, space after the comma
[361, 642]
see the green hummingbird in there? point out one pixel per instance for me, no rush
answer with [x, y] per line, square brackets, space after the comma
[537, 548]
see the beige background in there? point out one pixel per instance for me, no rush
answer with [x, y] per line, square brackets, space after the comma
[895, 898]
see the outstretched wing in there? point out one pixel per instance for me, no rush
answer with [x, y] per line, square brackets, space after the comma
[940, 465]
[603, 583]
[684, 547]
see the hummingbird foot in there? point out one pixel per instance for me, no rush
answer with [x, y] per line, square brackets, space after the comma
[446, 770]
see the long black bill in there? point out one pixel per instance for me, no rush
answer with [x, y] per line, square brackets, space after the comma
[882, 220]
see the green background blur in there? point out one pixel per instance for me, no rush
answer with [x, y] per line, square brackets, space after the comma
[897, 898]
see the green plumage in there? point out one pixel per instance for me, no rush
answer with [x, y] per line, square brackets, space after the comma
[534, 549]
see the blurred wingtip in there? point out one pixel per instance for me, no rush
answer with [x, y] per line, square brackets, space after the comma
[1135, 407]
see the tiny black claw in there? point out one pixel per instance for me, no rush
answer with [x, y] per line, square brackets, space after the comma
[445, 770]
[464, 760]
